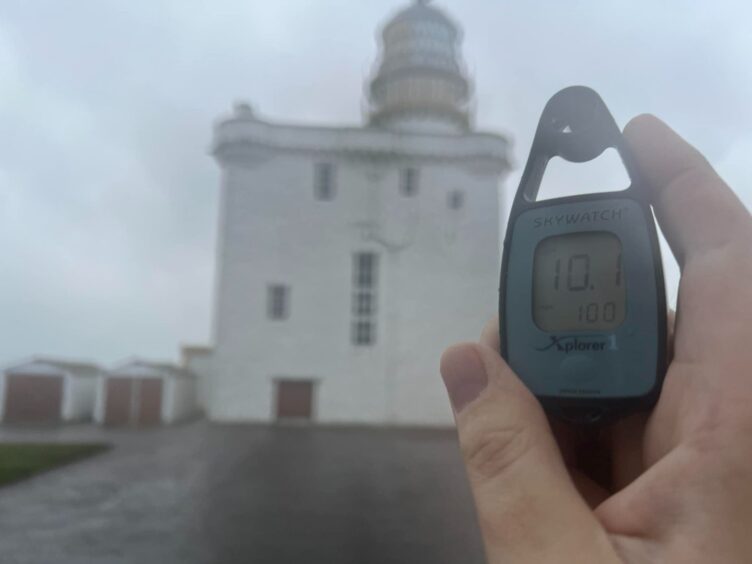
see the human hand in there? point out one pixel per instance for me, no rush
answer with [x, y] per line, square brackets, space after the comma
[672, 487]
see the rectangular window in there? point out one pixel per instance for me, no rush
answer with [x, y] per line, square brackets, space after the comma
[278, 301]
[363, 333]
[323, 181]
[365, 278]
[364, 270]
[456, 200]
[409, 182]
[363, 303]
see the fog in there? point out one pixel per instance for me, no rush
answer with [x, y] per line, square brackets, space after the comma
[108, 197]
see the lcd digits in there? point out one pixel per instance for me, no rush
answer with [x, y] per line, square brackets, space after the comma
[578, 284]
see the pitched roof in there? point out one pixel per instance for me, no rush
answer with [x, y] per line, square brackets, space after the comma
[76, 368]
[137, 366]
[79, 368]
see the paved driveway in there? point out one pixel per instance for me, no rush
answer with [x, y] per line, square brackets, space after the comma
[208, 493]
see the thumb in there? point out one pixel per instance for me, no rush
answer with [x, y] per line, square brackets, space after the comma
[528, 508]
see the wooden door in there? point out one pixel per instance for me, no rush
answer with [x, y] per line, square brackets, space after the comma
[33, 399]
[294, 399]
[150, 401]
[119, 401]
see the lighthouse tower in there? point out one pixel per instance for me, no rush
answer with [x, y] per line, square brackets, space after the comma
[349, 257]
[420, 84]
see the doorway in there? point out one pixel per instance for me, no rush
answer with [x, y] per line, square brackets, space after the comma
[294, 400]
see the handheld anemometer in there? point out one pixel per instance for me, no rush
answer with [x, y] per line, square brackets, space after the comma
[582, 299]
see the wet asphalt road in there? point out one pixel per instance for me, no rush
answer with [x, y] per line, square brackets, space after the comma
[205, 493]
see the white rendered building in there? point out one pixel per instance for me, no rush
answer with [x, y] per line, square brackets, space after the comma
[349, 258]
[47, 390]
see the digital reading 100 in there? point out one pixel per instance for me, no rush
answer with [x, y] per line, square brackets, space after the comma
[582, 301]
[577, 282]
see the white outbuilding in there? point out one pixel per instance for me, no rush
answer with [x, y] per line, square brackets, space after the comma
[142, 393]
[44, 390]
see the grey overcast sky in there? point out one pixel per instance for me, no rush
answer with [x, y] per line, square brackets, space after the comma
[107, 194]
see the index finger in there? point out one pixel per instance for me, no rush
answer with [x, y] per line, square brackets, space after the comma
[695, 208]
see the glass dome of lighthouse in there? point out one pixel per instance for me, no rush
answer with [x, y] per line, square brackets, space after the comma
[420, 83]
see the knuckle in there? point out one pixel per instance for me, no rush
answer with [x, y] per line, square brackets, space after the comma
[491, 453]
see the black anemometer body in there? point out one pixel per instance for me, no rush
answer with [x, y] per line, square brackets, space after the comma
[582, 303]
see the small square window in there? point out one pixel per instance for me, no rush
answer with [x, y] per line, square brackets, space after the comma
[456, 200]
[323, 181]
[409, 182]
[278, 302]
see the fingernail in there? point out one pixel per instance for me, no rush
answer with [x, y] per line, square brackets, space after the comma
[464, 376]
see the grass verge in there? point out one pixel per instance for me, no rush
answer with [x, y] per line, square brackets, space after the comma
[19, 461]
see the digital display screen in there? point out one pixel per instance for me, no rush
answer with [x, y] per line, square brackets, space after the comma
[578, 284]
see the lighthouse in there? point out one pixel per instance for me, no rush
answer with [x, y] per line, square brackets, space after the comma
[348, 258]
